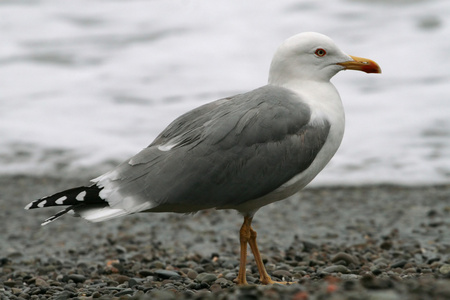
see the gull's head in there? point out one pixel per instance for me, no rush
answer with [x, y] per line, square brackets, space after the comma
[313, 56]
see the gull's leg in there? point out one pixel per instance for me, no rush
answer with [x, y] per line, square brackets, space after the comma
[244, 237]
[264, 278]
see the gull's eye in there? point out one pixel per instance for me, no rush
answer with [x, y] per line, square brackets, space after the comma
[320, 52]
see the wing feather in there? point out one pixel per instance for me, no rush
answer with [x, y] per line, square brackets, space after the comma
[226, 153]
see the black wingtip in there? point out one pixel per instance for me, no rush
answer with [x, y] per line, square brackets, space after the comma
[74, 196]
[58, 215]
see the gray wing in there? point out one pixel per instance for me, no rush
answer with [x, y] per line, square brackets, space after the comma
[189, 121]
[221, 154]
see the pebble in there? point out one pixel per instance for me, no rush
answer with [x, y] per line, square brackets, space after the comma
[146, 272]
[282, 273]
[66, 295]
[124, 292]
[223, 282]
[309, 246]
[192, 274]
[11, 283]
[231, 276]
[120, 249]
[77, 278]
[350, 276]
[376, 271]
[157, 264]
[399, 264]
[166, 274]
[342, 256]
[40, 282]
[336, 269]
[206, 277]
[445, 269]
[120, 278]
[215, 287]
[230, 264]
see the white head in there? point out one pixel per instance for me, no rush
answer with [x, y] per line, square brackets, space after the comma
[313, 56]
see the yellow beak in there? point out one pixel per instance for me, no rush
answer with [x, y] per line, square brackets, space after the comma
[361, 64]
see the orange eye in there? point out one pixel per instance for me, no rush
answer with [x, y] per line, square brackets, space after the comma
[320, 52]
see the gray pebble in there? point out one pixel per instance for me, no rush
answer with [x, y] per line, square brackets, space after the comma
[445, 269]
[166, 274]
[399, 264]
[124, 292]
[206, 277]
[381, 260]
[314, 262]
[350, 276]
[146, 272]
[191, 274]
[123, 285]
[282, 273]
[270, 267]
[230, 276]
[349, 259]
[77, 278]
[96, 295]
[308, 246]
[381, 266]
[11, 283]
[223, 282]
[65, 295]
[336, 269]
[120, 278]
[120, 249]
[41, 282]
[299, 269]
[69, 287]
[230, 264]
[215, 287]
[199, 269]
[157, 264]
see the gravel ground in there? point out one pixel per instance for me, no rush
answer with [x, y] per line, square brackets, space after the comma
[372, 242]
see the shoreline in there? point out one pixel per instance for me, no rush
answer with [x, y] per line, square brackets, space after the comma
[377, 242]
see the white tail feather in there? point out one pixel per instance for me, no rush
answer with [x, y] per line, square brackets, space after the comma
[99, 214]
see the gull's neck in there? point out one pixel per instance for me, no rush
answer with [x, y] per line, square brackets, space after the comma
[321, 96]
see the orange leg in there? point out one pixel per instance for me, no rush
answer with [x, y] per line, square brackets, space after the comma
[244, 236]
[263, 276]
[248, 235]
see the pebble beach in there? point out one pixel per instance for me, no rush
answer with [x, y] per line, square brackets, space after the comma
[366, 242]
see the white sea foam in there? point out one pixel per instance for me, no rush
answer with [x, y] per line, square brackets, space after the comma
[81, 88]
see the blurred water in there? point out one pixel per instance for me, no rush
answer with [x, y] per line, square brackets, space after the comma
[86, 84]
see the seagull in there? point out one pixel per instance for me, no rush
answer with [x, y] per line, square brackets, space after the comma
[241, 152]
